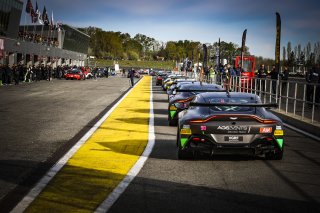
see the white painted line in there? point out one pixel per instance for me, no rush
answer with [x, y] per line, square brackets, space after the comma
[29, 198]
[302, 132]
[115, 194]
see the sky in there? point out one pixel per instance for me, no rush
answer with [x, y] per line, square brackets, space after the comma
[197, 20]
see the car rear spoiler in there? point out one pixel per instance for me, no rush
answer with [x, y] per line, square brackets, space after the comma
[233, 104]
[200, 90]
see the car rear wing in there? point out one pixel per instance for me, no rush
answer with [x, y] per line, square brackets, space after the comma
[201, 90]
[234, 104]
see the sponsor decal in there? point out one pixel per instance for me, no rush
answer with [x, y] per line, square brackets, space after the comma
[233, 138]
[278, 132]
[186, 127]
[235, 129]
[265, 130]
[203, 128]
[228, 128]
[185, 131]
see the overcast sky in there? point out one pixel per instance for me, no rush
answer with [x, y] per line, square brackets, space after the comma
[197, 20]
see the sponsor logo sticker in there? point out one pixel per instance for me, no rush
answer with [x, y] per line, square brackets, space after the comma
[278, 132]
[233, 138]
[185, 131]
[186, 127]
[265, 130]
[203, 128]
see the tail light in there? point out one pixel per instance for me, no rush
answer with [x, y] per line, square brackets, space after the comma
[198, 139]
[260, 120]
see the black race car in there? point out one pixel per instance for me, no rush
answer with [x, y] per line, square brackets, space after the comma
[182, 96]
[229, 123]
[176, 83]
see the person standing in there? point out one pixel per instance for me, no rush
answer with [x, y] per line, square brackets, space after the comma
[318, 86]
[1, 74]
[274, 75]
[311, 79]
[262, 75]
[16, 74]
[49, 68]
[131, 75]
[284, 79]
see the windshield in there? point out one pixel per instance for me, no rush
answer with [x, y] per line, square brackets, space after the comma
[247, 65]
[73, 71]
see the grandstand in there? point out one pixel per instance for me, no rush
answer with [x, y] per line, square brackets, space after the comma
[34, 44]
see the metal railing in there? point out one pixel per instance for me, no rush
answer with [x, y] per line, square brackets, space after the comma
[296, 98]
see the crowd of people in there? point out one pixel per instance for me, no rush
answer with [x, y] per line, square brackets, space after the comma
[18, 73]
[40, 39]
[279, 80]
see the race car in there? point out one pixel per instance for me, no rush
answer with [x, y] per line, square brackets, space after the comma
[166, 83]
[184, 94]
[176, 83]
[229, 123]
[160, 78]
[75, 73]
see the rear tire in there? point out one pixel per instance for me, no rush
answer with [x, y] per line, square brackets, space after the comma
[184, 154]
[274, 156]
[173, 122]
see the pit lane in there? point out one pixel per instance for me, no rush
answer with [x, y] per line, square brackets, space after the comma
[224, 183]
[228, 183]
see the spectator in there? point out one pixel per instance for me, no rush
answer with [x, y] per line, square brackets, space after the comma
[16, 74]
[317, 76]
[284, 78]
[311, 78]
[274, 75]
[262, 74]
[1, 74]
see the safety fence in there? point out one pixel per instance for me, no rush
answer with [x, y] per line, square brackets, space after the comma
[295, 98]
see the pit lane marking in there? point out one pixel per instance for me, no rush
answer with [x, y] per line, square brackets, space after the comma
[112, 198]
[61, 165]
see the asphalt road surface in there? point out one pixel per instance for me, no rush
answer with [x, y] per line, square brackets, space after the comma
[226, 183]
[40, 121]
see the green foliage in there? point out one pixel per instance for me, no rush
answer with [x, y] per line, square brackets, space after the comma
[132, 55]
[167, 65]
[116, 45]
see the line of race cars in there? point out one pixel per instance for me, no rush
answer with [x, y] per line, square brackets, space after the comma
[211, 120]
[81, 73]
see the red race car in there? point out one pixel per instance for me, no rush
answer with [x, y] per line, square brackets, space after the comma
[75, 74]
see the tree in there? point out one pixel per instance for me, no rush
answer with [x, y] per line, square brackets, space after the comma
[308, 51]
[291, 59]
[289, 49]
